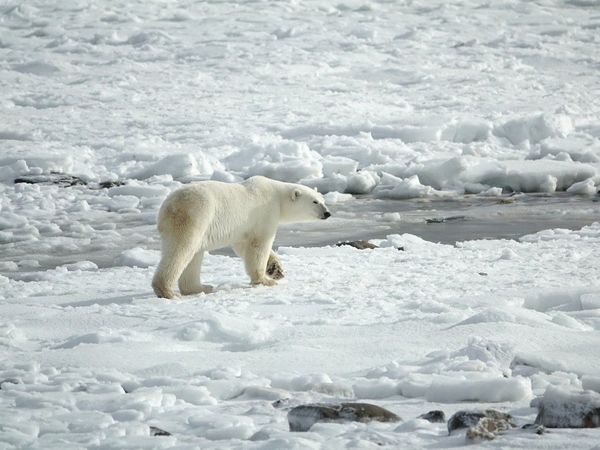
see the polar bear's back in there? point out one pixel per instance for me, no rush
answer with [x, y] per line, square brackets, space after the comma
[222, 212]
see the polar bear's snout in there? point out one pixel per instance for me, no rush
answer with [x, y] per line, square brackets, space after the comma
[323, 211]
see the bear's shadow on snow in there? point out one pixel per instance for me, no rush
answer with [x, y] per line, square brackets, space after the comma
[129, 299]
[121, 300]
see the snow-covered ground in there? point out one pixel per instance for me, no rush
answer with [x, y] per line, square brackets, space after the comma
[410, 104]
[98, 359]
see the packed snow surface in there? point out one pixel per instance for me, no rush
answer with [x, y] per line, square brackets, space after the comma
[91, 357]
[402, 99]
[411, 103]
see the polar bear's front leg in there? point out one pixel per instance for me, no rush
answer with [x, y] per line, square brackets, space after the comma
[189, 281]
[274, 268]
[256, 253]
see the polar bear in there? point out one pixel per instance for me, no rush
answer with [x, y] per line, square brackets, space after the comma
[209, 215]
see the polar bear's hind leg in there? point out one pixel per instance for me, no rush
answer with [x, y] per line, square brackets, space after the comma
[189, 281]
[176, 255]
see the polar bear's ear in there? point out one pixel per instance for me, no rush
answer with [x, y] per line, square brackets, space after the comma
[296, 194]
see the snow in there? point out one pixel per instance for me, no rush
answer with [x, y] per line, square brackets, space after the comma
[495, 390]
[112, 361]
[138, 257]
[399, 112]
[303, 92]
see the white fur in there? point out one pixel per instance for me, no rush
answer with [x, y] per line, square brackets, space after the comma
[209, 215]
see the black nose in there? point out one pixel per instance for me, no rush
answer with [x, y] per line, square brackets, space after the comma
[327, 214]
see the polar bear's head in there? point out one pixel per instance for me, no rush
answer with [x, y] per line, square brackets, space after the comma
[304, 204]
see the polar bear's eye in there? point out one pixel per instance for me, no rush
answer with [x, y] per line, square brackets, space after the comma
[315, 202]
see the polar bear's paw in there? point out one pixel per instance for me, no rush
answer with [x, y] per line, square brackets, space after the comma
[274, 269]
[265, 282]
[197, 289]
[162, 290]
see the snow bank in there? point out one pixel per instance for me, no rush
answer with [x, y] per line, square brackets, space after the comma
[240, 334]
[396, 188]
[138, 257]
[179, 166]
[564, 300]
[586, 187]
[139, 190]
[353, 97]
[572, 148]
[535, 128]
[279, 159]
[492, 390]
[217, 427]
[478, 372]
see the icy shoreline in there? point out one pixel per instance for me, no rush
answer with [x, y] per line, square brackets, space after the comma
[92, 230]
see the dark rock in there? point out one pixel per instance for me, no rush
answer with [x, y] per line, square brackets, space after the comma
[56, 178]
[302, 417]
[466, 419]
[155, 431]
[435, 416]
[9, 381]
[592, 419]
[561, 408]
[110, 184]
[488, 428]
[445, 219]
[360, 245]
